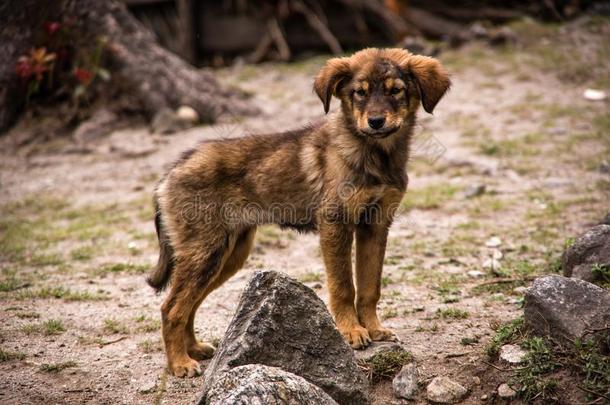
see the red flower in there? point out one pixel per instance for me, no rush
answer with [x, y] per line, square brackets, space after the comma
[83, 75]
[24, 67]
[51, 27]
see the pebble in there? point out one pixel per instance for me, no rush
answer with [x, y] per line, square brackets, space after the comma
[476, 274]
[493, 242]
[512, 354]
[475, 190]
[188, 114]
[520, 290]
[504, 391]
[148, 387]
[443, 390]
[594, 95]
[404, 384]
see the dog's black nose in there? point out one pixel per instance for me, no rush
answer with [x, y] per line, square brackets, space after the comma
[376, 122]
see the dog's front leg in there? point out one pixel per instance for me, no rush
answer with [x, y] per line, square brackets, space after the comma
[336, 244]
[371, 241]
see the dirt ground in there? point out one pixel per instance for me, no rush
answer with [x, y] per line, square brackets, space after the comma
[513, 163]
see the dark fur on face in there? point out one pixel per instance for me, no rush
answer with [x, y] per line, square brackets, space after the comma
[343, 178]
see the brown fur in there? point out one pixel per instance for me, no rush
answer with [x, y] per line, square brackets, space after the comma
[343, 178]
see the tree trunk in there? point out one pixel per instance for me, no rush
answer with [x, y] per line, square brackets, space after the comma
[150, 76]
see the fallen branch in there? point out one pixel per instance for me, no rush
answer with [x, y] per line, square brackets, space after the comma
[505, 280]
[109, 342]
[319, 26]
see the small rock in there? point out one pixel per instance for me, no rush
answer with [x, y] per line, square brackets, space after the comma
[492, 263]
[604, 167]
[476, 274]
[101, 123]
[520, 290]
[166, 121]
[493, 242]
[148, 387]
[484, 397]
[405, 382]
[557, 131]
[594, 95]
[475, 190]
[505, 391]
[512, 354]
[258, 384]
[568, 309]
[443, 390]
[503, 36]
[188, 114]
[588, 252]
[606, 220]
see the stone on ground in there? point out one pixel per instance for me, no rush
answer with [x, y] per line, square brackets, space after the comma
[258, 384]
[512, 354]
[506, 392]
[281, 323]
[442, 390]
[405, 382]
[567, 309]
[590, 250]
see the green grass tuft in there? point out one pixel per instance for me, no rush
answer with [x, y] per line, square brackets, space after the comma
[385, 364]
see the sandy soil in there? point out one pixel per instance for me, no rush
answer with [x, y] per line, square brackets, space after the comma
[77, 233]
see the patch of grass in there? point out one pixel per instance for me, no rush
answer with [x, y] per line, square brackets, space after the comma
[123, 268]
[386, 281]
[433, 329]
[601, 272]
[505, 333]
[389, 313]
[150, 346]
[469, 341]
[30, 226]
[113, 326]
[83, 253]
[594, 366]
[311, 277]
[62, 293]
[57, 367]
[452, 313]
[28, 315]
[53, 327]
[530, 378]
[10, 282]
[385, 364]
[10, 356]
[146, 324]
[429, 197]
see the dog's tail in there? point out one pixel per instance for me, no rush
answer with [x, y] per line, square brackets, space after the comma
[160, 276]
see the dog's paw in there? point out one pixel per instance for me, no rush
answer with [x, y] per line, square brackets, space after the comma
[383, 334]
[185, 368]
[201, 351]
[357, 336]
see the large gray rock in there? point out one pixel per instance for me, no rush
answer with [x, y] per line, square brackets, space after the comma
[589, 250]
[281, 323]
[258, 384]
[567, 309]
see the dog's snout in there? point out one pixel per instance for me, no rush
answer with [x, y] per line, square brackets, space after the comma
[376, 122]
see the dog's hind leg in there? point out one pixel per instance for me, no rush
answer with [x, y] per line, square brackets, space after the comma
[196, 268]
[234, 259]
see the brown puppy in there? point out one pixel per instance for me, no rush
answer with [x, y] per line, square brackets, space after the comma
[343, 177]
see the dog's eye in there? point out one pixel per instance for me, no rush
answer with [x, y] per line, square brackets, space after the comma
[361, 92]
[395, 90]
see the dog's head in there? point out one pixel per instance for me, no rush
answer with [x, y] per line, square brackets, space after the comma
[380, 88]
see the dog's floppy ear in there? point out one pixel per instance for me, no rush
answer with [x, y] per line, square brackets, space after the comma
[431, 78]
[329, 79]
